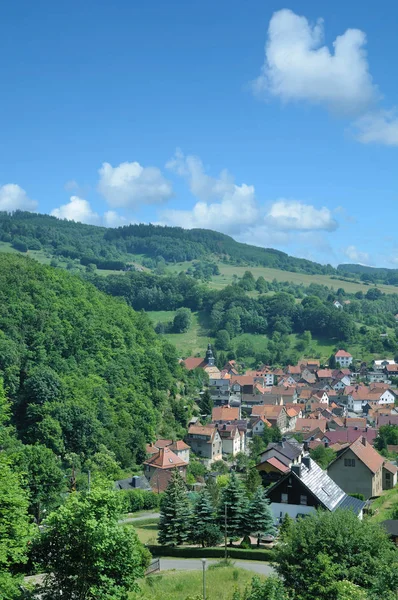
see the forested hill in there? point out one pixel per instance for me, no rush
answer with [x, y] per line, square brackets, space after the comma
[371, 274]
[113, 248]
[86, 374]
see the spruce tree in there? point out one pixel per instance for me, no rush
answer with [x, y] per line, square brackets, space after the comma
[253, 480]
[234, 498]
[259, 518]
[206, 403]
[175, 513]
[205, 530]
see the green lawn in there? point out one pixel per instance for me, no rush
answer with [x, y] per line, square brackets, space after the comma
[179, 585]
[193, 341]
[147, 530]
[385, 505]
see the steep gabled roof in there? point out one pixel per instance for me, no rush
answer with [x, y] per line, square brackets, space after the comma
[277, 464]
[192, 362]
[165, 459]
[343, 354]
[365, 453]
[224, 413]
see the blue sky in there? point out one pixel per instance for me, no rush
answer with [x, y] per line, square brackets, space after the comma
[272, 123]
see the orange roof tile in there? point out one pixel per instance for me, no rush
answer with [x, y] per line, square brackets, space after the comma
[165, 459]
[225, 413]
[367, 454]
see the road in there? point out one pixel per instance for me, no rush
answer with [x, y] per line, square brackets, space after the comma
[195, 564]
[140, 518]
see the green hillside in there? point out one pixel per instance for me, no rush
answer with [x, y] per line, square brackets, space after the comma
[115, 248]
[85, 373]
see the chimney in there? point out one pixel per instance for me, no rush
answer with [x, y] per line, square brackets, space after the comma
[363, 440]
[356, 428]
[134, 481]
[306, 461]
[296, 469]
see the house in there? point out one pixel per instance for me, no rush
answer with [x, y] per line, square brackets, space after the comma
[219, 387]
[232, 440]
[379, 365]
[259, 425]
[389, 475]
[205, 441]
[358, 469]
[306, 426]
[164, 460]
[286, 393]
[387, 420]
[340, 383]
[343, 358]
[337, 304]
[308, 377]
[349, 435]
[136, 482]
[306, 488]
[181, 449]
[225, 413]
[278, 458]
[376, 377]
[264, 377]
[276, 415]
[325, 375]
[391, 370]
[243, 384]
[312, 364]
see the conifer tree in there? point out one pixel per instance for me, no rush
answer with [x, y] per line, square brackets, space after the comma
[206, 403]
[205, 530]
[175, 513]
[253, 480]
[234, 498]
[259, 518]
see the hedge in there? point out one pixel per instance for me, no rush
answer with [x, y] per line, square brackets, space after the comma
[136, 500]
[219, 552]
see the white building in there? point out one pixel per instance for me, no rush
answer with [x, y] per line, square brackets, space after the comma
[343, 358]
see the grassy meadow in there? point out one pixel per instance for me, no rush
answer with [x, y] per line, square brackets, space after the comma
[180, 585]
[147, 530]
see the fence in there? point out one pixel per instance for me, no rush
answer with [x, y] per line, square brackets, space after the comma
[153, 567]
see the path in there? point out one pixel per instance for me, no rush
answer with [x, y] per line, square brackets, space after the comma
[195, 564]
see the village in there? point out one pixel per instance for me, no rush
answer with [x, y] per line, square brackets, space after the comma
[311, 407]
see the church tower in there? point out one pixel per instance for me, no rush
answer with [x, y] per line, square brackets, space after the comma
[209, 356]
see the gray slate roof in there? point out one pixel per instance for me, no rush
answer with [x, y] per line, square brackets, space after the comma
[139, 482]
[321, 485]
[291, 449]
[350, 503]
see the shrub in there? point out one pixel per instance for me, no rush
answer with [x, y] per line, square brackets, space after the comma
[219, 552]
[135, 500]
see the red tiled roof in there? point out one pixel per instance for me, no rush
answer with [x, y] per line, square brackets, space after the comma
[325, 374]
[178, 446]
[343, 354]
[277, 464]
[162, 443]
[165, 459]
[367, 454]
[224, 413]
[192, 362]
[201, 430]
[391, 368]
[307, 425]
[243, 380]
[343, 436]
[390, 467]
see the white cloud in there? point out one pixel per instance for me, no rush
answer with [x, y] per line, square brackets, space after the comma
[356, 255]
[131, 185]
[222, 204]
[77, 209]
[225, 206]
[113, 219]
[380, 127]
[13, 197]
[293, 215]
[298, 67]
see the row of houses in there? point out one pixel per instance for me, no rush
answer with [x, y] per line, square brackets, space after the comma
[296, 485]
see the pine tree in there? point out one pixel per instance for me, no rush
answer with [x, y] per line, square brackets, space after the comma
[286, 526]
[206, 403]
[259, 519]
[175, 513]
[234, 498]
[253, 480]
[205, 531]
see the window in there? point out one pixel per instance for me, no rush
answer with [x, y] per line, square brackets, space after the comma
[303, 500]
[388, 476]
[284, 498]
[349, 462]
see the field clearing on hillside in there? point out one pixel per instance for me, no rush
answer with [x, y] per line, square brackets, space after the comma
[228, 271]
[195, 340]
[178, 585]
[192, 342]
[385, 505]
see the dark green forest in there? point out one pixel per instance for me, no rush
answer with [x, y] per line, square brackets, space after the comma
[113, 248]
[84, 372]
